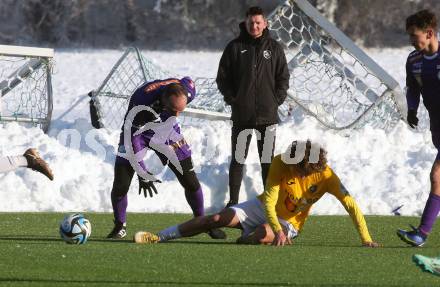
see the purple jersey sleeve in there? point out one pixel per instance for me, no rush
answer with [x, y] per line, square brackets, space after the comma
[412, 88]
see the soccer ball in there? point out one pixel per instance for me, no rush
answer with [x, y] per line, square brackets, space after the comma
[75, 229]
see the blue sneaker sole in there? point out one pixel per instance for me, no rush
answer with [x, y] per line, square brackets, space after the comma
[406, 240]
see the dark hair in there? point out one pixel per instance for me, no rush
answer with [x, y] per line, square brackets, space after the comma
[422, 20]
[305, 164]
[254, 10]
[174, 89]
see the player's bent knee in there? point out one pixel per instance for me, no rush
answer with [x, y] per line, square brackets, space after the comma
[264, 234]
[120, 189]
[214, 220]
[226, 218]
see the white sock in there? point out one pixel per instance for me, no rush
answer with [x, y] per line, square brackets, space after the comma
[169, 233]
[9, 163]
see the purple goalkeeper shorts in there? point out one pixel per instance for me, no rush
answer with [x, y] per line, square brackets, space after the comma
[181, 148]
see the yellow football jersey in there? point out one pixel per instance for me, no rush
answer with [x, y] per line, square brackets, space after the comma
[290, 196]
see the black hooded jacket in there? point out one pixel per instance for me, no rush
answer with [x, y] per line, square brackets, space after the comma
[253, 78]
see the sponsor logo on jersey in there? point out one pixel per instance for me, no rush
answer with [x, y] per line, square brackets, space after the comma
[178, 145]
[292, 197]
[299, 204]
[267, 54]
[243, 51]
[417, 65]
[290, 182]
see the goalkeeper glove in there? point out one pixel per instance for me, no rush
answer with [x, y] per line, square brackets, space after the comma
[412, 119]
[147, 185]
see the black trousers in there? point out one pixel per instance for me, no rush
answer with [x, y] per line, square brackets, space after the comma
[240, 139]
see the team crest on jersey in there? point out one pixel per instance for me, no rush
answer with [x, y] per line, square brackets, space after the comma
[267, 54]
[313, 188]
[293, 197]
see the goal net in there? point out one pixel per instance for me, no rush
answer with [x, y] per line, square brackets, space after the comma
[108, 104]
[331, 79]
[25, 85]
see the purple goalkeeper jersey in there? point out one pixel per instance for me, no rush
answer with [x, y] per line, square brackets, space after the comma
[163, 130]
[423, 78]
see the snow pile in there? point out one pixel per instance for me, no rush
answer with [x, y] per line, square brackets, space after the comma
[381, 170]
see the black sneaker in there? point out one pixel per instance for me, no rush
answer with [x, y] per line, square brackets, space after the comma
[217, 233]
[119, 231]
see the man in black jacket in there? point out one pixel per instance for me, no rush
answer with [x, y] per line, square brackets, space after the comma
[253, 78]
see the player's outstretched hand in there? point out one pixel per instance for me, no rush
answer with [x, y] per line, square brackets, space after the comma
[372, 244]
[147, 185]
[281, 239]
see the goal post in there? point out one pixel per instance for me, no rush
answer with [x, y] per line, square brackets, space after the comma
[26, 85]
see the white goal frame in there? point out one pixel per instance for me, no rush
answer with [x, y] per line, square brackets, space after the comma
[33, 59]
[351, 47]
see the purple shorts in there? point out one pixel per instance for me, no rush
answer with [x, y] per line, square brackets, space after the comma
[181, 148]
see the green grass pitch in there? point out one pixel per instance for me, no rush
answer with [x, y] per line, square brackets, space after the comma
[327, 253]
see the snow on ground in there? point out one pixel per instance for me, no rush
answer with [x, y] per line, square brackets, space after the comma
[381, 170]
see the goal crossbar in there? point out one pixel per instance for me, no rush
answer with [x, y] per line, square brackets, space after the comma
[20, 51]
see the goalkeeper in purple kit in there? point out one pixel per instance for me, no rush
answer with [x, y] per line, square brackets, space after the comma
[423, 78]
[150, 124]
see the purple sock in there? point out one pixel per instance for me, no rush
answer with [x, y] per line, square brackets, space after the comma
[119, 208]
[195, 200]
[430, 213]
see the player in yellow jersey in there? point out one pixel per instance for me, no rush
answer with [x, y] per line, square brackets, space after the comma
[297, 179]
